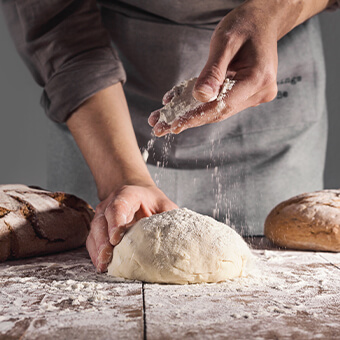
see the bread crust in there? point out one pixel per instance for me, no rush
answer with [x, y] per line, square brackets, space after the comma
[34, 221]
[310, 221]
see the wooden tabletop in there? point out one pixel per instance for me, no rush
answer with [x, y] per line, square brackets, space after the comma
[290, 295]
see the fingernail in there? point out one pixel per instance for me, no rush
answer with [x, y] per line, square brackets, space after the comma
[117, 235]
[99, 269]
[205, 89]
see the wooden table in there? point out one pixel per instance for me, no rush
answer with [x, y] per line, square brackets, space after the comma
[291, 295]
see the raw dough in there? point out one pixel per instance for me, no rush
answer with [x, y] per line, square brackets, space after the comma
[180, 246]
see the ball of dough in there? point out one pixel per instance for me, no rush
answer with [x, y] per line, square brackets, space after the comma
[180, 246]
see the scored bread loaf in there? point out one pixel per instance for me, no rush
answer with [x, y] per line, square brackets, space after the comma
[34, 221]
[309, 221]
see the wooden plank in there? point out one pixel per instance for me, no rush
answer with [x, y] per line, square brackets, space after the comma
[333, 258]
[62, 297]
[291, 295]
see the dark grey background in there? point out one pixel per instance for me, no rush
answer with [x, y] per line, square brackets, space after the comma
[23, 124]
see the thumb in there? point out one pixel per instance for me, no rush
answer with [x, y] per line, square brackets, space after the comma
[214, 72]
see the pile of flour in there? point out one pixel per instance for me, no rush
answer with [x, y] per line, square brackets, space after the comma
[183, 100]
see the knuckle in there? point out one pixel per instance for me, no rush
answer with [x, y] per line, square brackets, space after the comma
[119, 200]
[124, 190]
[117, 205]
[270, 94]
[228, 110]
[263, 77]
[221, 36]
[269, 77]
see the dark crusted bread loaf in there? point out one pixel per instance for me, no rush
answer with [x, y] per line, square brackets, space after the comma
[35, 221]
[309, 221]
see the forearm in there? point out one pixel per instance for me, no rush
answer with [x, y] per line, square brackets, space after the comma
[103, 131]
[288, 14]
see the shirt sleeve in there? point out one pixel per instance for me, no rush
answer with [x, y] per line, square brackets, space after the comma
[66, 48]
[335, 6]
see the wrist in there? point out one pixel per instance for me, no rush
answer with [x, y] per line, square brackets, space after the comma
[113, 183]
[276, 16]
[282, 16]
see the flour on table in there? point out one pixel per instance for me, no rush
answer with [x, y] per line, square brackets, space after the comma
[183, 100]
[180, 246]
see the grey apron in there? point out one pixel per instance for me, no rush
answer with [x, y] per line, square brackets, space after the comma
[236, 170]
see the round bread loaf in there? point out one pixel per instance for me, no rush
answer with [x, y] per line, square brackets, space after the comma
[35, 221]
[309, 221]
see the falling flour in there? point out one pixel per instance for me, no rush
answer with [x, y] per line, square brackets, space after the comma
[183, 100]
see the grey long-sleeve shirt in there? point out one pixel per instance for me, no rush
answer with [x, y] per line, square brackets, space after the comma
[66, 48]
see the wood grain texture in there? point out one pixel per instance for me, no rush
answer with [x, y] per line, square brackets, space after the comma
[291, 295]
[62, 297]
[294, 295]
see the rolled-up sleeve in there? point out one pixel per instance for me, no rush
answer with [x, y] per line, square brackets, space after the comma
[66, 48]
[335, 6]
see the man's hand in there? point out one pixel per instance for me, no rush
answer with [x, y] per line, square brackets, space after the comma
[117, 213]
[244, 48]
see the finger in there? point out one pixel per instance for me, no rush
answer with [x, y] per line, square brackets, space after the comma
[161, 129]
[153, 118]
[244, 94]
[119, 232]
[120, 212]
[104, 257]
[117, 235]
[99, 231]
[91, 248]
[205, 114]
[216, 111]
[214, 72]
[168, 97]
[98, 243]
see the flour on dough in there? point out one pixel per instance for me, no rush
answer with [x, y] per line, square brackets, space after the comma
[180, 246]
[183, 100]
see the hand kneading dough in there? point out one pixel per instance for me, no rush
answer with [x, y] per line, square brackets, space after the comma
[180, 246]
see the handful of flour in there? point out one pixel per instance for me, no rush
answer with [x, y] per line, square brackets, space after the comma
[183, 100]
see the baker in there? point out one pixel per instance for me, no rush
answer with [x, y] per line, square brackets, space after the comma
[236, 169]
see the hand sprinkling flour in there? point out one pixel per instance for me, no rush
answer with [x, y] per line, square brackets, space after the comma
[179, 103]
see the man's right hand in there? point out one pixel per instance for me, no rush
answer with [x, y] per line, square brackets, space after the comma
[119, 211]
